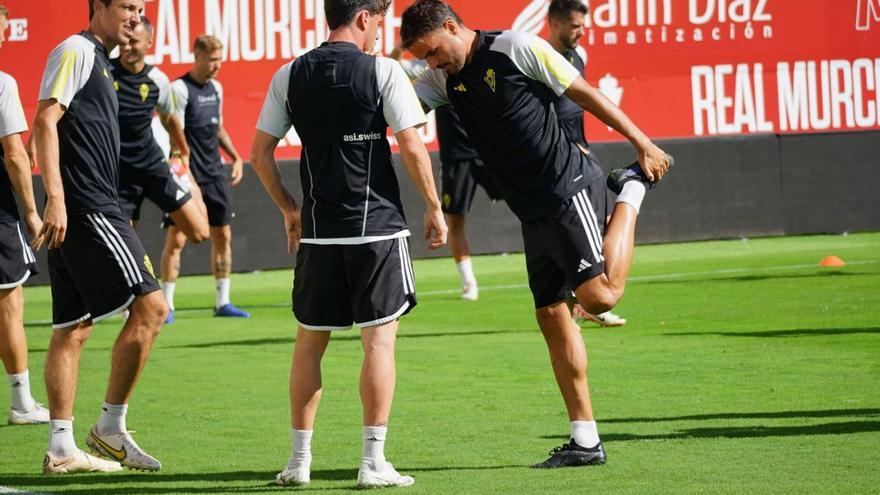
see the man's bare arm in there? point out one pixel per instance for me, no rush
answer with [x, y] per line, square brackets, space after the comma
[653, 159]
[263, 163]
[172, 124]
[18, 166]
[418, 166]
[45, 134]
[229, 148]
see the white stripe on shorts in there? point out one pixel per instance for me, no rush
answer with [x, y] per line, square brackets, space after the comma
[408, 266]
[401, 259]
[27, 253]
[594, 225]
[590, 239]
[124, 249]
[113, 248]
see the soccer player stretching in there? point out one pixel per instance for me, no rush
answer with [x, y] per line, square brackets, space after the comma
[503, 84]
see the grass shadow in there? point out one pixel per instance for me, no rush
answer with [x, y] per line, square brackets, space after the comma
[353, 335]
[802, 332]
[828, 413]
[844, 428]
[757, 278]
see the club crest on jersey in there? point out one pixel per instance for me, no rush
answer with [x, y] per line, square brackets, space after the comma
[460, 88]
[145, 91]
[490, 79]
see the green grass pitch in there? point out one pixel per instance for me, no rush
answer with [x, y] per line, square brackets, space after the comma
[744, 368]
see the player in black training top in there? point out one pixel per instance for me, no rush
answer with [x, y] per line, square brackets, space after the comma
[503, 85]
[461, 170]
[97, 264]
[199, 103]
[566, 19]
[352, 261]
[144, 171]
[17, 261]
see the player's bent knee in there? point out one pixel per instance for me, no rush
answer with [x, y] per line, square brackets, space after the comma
[600, 301]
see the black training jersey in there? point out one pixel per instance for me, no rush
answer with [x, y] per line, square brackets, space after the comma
[455, 145]
[504, 97]
[12, 121]
[341, 102]
[78, 76]
[200, 108]
[571, 115]
[139, 94]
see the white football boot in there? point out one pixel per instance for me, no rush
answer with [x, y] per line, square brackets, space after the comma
[37, 415]
[470, 292]
[386, 477]
[293, 476]
[122, 448]
[79, 462]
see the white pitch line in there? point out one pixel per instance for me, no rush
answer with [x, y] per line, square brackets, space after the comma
[649, 278]
[10, 490]
[642, 278]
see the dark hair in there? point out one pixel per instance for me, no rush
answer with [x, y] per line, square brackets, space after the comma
[92, 7]
[423, 17]
[561, 9]
[4, 12]
[341, 12]
[147, 25]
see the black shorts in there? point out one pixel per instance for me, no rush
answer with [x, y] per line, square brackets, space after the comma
[218, 201]
[156, 183]
[368, 284]
[564, 247]
[458, 183]
[17, 261]
[99, 269]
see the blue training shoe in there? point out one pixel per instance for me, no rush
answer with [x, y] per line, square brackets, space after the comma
[228, 310]
[170, 318]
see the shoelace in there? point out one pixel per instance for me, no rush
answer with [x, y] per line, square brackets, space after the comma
[556, 450]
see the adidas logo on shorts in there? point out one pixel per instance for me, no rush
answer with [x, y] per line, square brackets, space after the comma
[584, 265]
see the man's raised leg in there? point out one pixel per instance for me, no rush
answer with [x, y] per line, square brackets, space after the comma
[601, 293]
[191, 221]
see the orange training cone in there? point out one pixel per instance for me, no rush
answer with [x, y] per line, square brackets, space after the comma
[831, 261]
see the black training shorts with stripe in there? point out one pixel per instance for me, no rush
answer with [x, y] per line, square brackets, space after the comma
[99, 269]
[458, 183]
[17, 261]
[368, 284]
[155, 182]
[564, 247]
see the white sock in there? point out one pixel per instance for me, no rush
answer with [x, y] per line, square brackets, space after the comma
[168, 290]
[585, 433]
[300, 449]
[374, 446]
[61, 443]
[20, 384]
[222, 298]
[112, 418]
[466, 272]
[632, 194]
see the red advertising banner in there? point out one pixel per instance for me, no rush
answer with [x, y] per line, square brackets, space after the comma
[679, 68]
